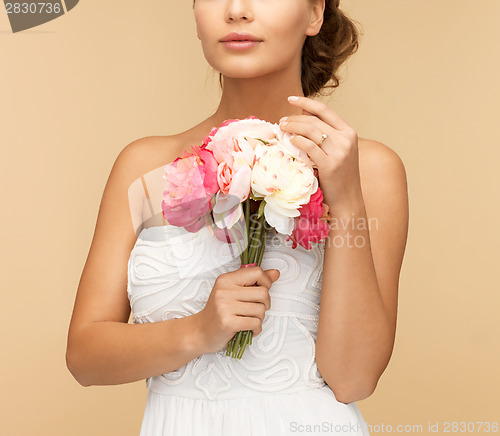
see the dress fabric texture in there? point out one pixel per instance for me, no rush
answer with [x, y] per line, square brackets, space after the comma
[275, 388]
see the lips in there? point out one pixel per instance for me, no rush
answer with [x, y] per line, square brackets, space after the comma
[233, 36]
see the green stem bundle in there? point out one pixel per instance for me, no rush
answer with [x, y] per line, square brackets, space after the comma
[253, 253]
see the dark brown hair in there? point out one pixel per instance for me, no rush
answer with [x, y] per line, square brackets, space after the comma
[324, 53]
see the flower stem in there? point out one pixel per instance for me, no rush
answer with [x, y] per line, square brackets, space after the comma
[261, 253]
[253, 253]
[237, 343]
[255, 239]
[230, 346]
[247, 225]
[237, 240]
[242, 349]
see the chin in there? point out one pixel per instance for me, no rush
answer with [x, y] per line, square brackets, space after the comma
[245, 70]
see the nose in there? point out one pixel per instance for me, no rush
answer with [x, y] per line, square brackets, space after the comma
[239, 10]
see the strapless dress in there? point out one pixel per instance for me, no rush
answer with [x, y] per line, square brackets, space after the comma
[276, 387]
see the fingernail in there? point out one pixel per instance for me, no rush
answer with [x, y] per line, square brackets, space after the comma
[283, 119]
[293, 98]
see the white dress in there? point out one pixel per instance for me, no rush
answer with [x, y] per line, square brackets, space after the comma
[275, 388]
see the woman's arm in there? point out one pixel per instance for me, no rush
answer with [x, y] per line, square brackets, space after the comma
[363, 257]
[114, 352]
[102, 347]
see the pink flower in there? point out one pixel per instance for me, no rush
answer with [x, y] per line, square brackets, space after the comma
[310, 225]
[233, 145]
[232, 235]
[214, 130]
[314, 208]
[191, 183]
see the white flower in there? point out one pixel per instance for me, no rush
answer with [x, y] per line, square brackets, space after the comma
[283, 139]
[284, 182]
[233, 148]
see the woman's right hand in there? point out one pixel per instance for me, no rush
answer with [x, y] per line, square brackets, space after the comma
[238, 301]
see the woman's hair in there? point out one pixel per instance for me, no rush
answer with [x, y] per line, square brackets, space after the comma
[324, 53]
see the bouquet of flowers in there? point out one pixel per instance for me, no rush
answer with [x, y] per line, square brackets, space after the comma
[247, 170]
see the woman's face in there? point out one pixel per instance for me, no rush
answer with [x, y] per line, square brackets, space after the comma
[281, 25]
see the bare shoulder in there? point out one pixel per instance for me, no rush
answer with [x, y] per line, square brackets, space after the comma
[376, 156]
[147, 153]
[384, 185]
[144, 161]
[381, 168]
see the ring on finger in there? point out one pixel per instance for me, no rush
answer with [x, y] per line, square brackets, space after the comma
[323, 137]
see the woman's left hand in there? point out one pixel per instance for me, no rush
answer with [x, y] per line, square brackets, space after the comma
[336, 157]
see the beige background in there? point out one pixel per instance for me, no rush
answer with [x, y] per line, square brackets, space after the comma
[75, 91]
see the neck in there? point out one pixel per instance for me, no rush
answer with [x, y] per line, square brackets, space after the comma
[264, 97]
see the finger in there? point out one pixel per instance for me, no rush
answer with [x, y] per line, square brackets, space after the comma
[257, 294]
[312, 120]
[248, 323]
[253, 275]
[301, 124]
[312, 149]
[308, 126]
[321, 110]
[273, 273]
[309, 131]
[255, 310]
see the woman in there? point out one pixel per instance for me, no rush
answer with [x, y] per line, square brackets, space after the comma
[306, 368]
